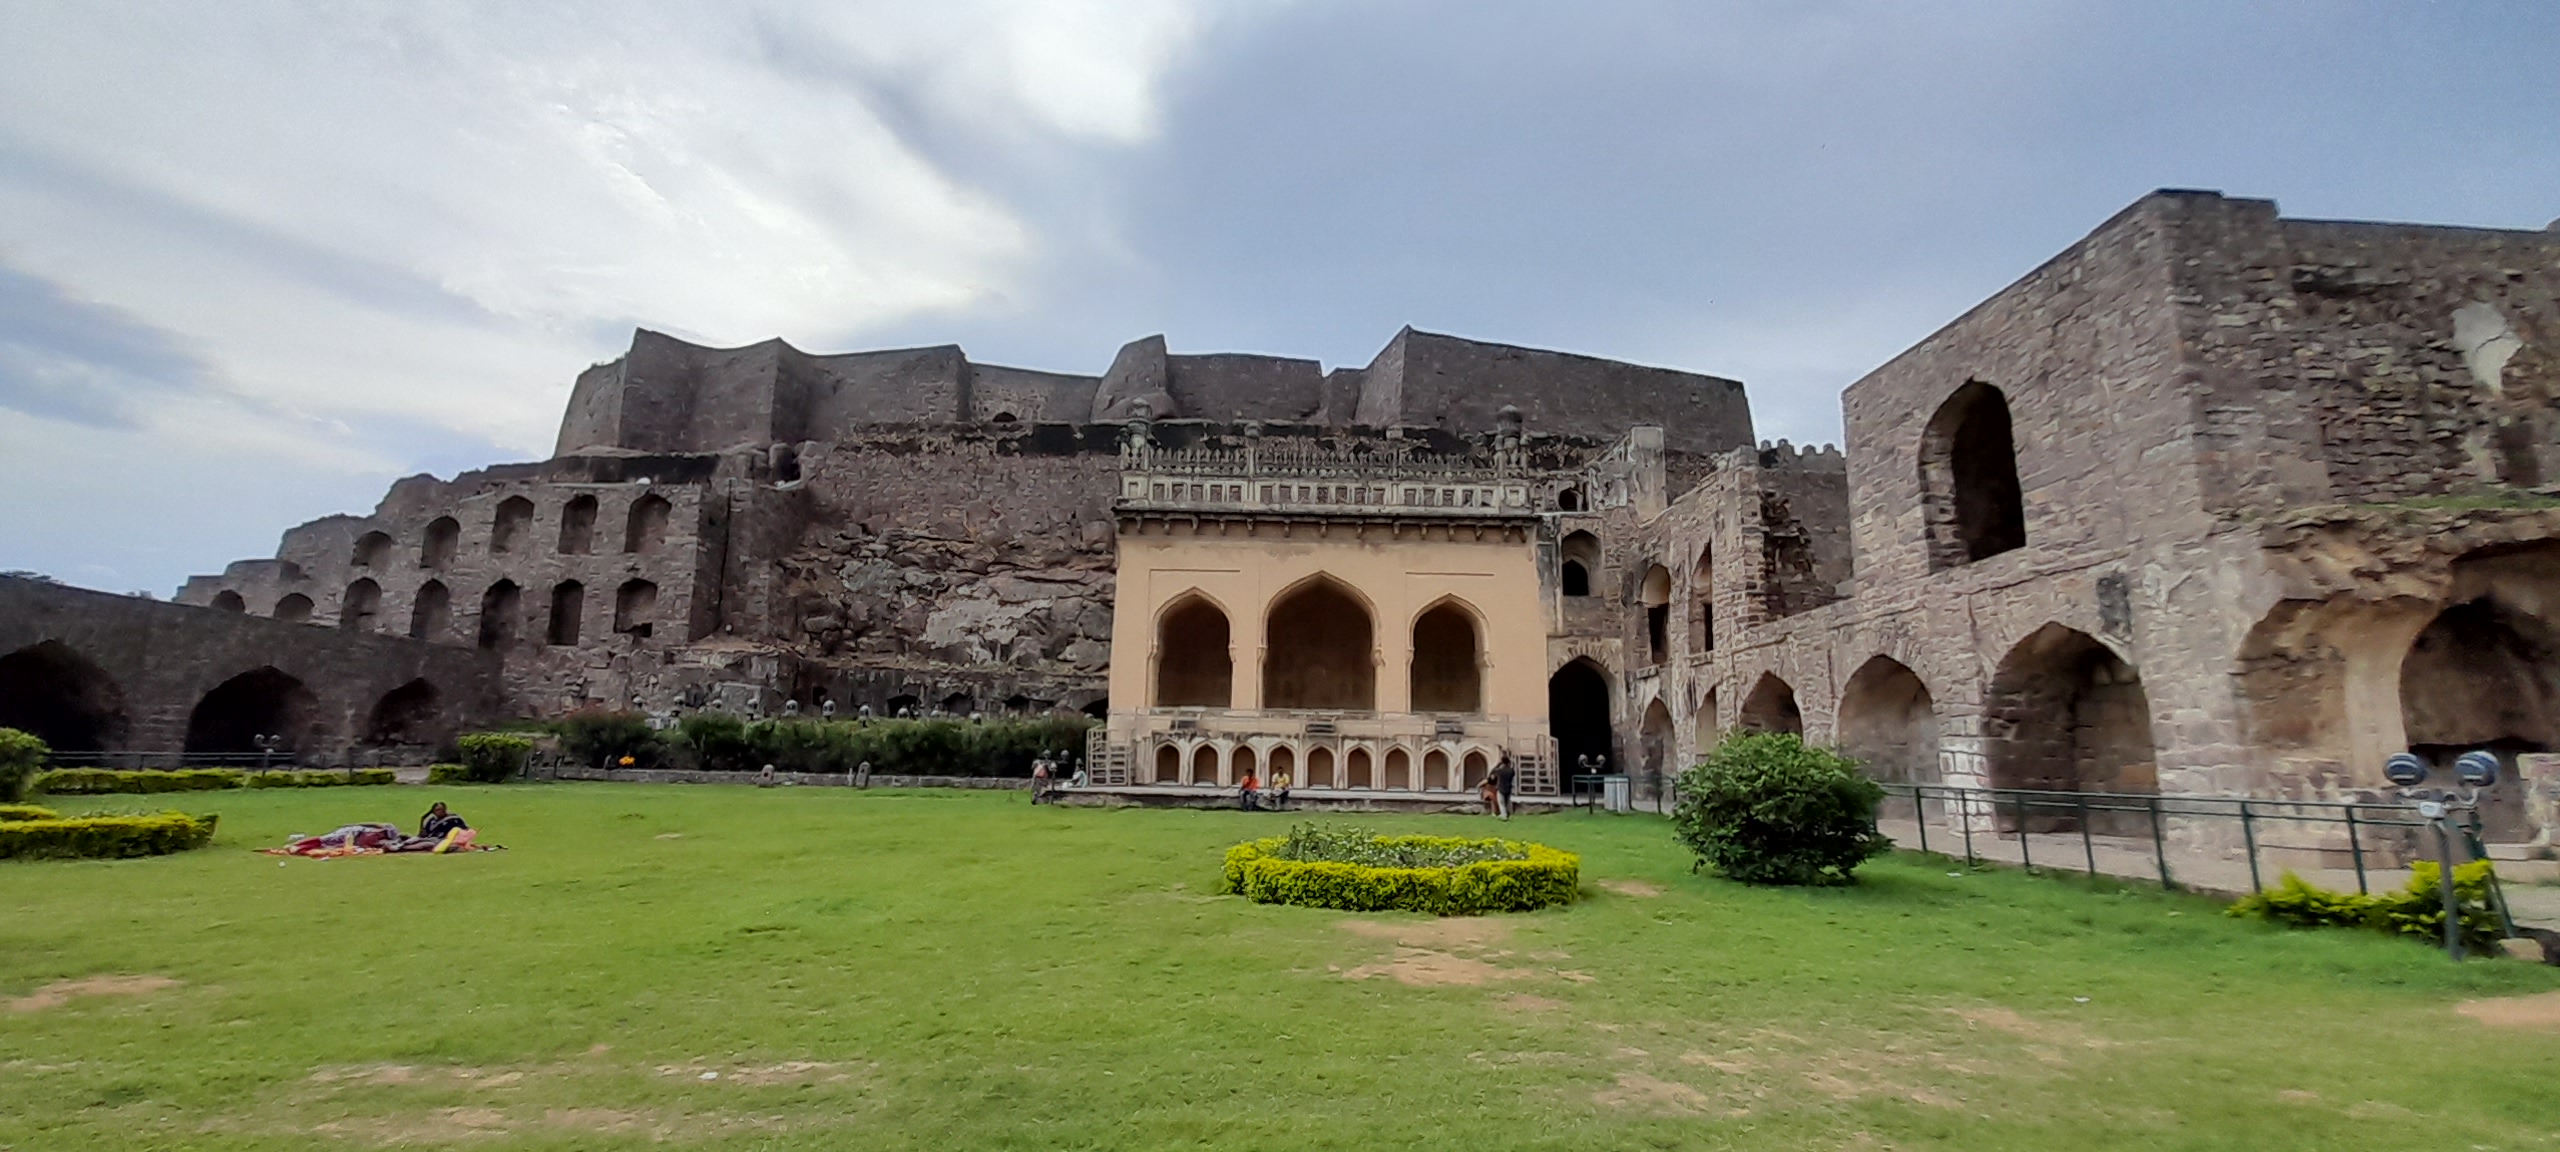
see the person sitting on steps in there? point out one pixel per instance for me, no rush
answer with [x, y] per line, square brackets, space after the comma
[1247, 791]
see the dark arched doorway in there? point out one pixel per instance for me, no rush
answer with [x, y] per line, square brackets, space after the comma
[404, 715]
[1771, 707]
[1320, 651]
[1193, 667]
[259, 702]
[1970, 499]
[1657, 740]
[2484, 676]
[55, 694]
[2066, 714]
[1578, 715]
[1448, 673]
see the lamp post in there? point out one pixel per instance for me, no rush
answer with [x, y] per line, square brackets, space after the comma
[2476, 770]
[268, 744]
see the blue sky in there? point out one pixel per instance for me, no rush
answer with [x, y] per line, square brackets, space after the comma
[258, 259]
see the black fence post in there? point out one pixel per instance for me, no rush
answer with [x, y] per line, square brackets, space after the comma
[1920, 814]
[2249, 835]
[2087, 848]
[2159, 849]
[2355, 848]
[2026, 856]
[1964, 819]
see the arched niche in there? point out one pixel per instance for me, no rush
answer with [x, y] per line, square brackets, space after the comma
[1889, 724]
[1194, 664]
[2484, 676]
[1578, 563]
[1771, 707]
[1655, 594]
[1448, 660]
[360, 606]
[1658, 741]
[1971, 505]
[372, 550]
[431, 614]
[510, 526]
[578, 525]
[2065, 713]
[635, 608]
[1578, 715]
[646, 526]
[1320, 651]
[404, 715]
[1702, 603]
[260, 702]
[568, 608]
[293, 608]
[501, 612]
[443, 538]
[229, 601]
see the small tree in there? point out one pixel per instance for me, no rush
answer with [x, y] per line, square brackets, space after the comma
[21, 755]
[1764, 808]
[493, 757]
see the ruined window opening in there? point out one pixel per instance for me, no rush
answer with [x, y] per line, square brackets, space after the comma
[229, 601]
[1970, 499]
[404, 715]
[1655, 595]
[647, 527]
[294, 608]
[1003, 418]
[1702, 589]
[1656, 741]
[362, 602]
[499, 607]
[2065, 713]
[443, 539]
[1193, 666]
[1889, 724]
[635, 608]
[1321, 651]
[432, 613]
[568, 603]
[50, 691]
[1578, 713]
[1581, 552]
[1569, 500]
[1771, 707]
[1448, 671]
[959, 704]
[2484, 676]
[578, 526]
[507, 529]
[260, 702]
[373, 550]
[905, 705]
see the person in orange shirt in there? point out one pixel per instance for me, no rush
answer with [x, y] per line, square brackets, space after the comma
[1246, 790]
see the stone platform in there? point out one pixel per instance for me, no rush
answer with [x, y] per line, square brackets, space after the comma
[1300, 800]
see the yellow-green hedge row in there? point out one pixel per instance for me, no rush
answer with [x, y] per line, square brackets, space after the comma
[105, 781]
[104, 837]
[322, 778]
[27, 812]
[1547, 876]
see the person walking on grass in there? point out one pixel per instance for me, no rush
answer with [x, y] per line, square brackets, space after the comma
[1502, 779]
[1246, 791]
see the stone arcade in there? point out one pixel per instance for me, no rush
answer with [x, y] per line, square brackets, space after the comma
[2213, 503]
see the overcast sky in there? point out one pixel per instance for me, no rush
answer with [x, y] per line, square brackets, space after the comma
[259, 259]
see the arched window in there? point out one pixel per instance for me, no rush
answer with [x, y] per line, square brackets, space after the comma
[1771, 707]
[507, 530]
[362, 602]
[432, 612]
[1193, 667]
[229, 601]
[1581, 553]
[578, 526]
[568, 603]
[646, 527]
[1448, 673]
[1321, 650]
[373, 550]
[635, 608]
[1970, 500]
[443, 538]
[1569, 500]
[1702, 594]
[1656, 595]
[500, 607]
[294, 608]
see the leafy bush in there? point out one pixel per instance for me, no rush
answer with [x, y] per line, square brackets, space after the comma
[718, 742]
[2417, 909]
[596, 738]
[1345, 844]
[1502, 875]
[448, 774]
[27, 812]
[104, 837]
[1765, 808]
[494, 757]
[21, 754]
[102, 781]
[322, 778]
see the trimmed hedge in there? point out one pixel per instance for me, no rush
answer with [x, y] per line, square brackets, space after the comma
[101, 781]
[719, 742]
[448, 774]
[27, 812]
[104, 837]
[1542, 876]
[322, 778]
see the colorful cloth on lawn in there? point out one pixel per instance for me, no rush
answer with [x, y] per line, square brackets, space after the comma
[376, 840]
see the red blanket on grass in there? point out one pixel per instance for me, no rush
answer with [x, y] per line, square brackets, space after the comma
[377, 840]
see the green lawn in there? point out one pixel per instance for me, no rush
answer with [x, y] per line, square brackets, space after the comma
[953, 970]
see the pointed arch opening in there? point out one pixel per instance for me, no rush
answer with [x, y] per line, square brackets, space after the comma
[568, 604]
[1399, 774]
[405, 715]
[635, 608]
[510, 526]
[359, 607]
[1195, 667]
[229, 601]
[1474, 769]
[372, 550]
[1168, 765]
[1320, 768]
[500, 609]
[52, 692]
[1889, 723]
[431, 614]
[1435, 770]
[578, 525]
[646, 527]
[1321, 650]
[1204, 765]
[1578, 715]
[1655, 594]
[1660, 744]
[294, 608]
[1702, 603]
[2486, 676]
[1448, 660]
[2065, 713]
[260, 702]
[1970, 499]
[1580, 561]
[1771, 707]
[1359, 769]
[1705, 728]
[443, 539]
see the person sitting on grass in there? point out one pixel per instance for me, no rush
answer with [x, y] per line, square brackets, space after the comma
[1246, 790]
[438, 821]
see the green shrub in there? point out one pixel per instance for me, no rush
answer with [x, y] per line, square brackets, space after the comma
[1766, 808]
[494, 757]
[322, 778]
[21, 754]
[598, 739]
[2416, 909]
[27, 812]
[102, 781]
[1502, 875]
[104, 837]
[717, 740]
[448, 774]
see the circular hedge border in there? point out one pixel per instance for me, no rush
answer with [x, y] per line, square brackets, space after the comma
[1543, 877]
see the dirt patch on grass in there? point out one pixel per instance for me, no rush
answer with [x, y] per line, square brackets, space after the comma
[1454, 932]
[471, 1125]
[2540, 1011]
[758, 1076]
[1641, 1093]
[62, 992]
[2060, 1034]
[1641, 889]
[442, 1126]
[1456, 952]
